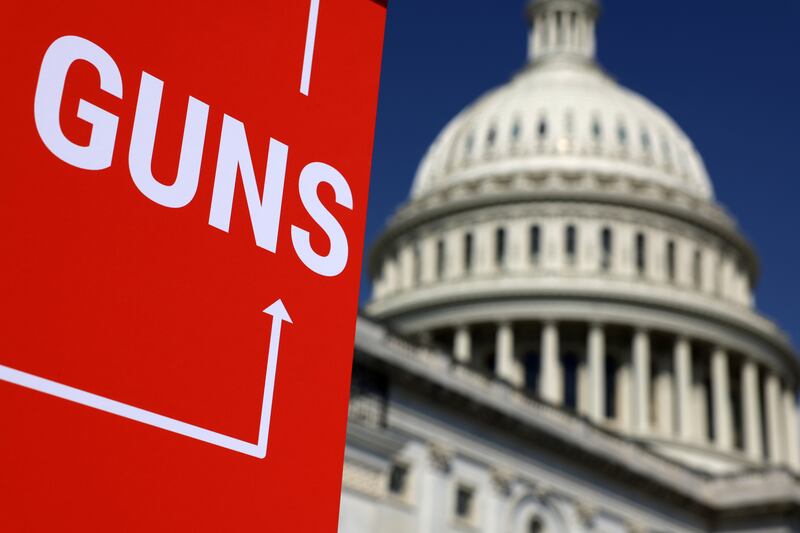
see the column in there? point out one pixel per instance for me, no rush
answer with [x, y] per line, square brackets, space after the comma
[720, 390]
[506, 368]
[623, 395]
[683, 387]
[462, 344]
[774, 419]
[792, 436]
[597, 373]
[664, 391]
[551, 385]
[641, 382]
[751, 410]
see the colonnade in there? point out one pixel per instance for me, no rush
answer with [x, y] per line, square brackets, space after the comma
[683, 389]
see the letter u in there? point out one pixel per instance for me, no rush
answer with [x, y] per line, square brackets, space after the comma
[140, 156]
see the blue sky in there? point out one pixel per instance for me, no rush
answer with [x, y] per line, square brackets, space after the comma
[727, 71]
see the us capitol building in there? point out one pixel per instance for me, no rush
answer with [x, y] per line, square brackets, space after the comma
[562, 335]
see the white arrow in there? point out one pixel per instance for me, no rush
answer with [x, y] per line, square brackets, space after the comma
[279, 316]
[259, 450]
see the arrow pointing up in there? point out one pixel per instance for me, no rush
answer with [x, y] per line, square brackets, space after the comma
[278, 311]
[279, 315]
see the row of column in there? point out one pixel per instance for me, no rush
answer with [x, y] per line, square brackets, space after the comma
[464, 253]
[663, 397]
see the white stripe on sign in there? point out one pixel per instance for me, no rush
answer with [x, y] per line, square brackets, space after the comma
[308, 56]
[258, 450]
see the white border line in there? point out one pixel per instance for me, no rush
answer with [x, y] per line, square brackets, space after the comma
[308, 56]
[259, 450]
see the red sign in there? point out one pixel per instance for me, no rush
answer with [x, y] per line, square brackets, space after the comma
[182, 216]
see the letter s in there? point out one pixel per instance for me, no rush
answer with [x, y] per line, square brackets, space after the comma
[312, 176]
[47, 104]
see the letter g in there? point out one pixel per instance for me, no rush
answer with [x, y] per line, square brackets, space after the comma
[47, 104]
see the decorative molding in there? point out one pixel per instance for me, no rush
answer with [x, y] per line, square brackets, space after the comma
[441, 457]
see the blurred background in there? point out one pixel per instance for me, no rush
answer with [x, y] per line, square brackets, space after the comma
[727, 72]
[580, 317]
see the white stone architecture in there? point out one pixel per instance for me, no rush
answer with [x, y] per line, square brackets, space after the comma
[562, 334]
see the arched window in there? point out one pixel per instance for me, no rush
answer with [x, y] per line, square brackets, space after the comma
[516, 130]
[491, 137]
[535, 244]
[671, 261]
[468, 252]
[570, 244]
[606, 248]
[542, 129]
[622, 135]
[646, 143]
[597, 130]
[440, 259]
[500, 247]
[641, 254]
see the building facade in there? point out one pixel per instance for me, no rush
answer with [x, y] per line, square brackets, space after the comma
[562, 335]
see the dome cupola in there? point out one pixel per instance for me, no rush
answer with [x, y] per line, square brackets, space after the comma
[562, 30]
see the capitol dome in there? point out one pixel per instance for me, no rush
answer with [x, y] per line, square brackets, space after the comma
[563, 113]
[562, 238]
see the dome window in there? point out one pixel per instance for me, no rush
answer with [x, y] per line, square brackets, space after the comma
[641, 254]
[697, 269]
[535, 244]
[597, 130]
[491, 137]
[570, 243]
[646, 143]
[516, 131]
[542, 129]
[468, 252]
[500, 247]
[622, 135]
[440, 259]
[671, 261]
[606, 248]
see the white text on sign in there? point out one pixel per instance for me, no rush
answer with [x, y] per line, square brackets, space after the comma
[233, 158]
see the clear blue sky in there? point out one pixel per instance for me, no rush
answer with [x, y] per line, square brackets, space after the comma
[727, 71]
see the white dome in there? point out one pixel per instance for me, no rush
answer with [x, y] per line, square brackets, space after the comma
[562, 222]
[562, 113]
